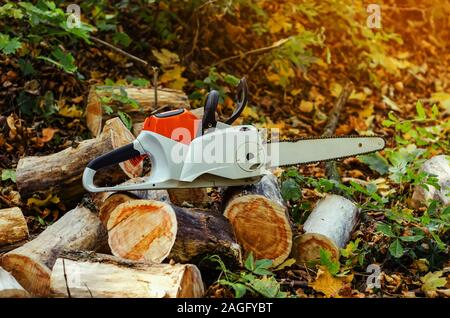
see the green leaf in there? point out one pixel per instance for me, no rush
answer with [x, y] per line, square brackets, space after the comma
[385, 229]
[230, 79]
[125, 119]
[375, 162]
[7, 45]
[62, 60]
[420, 110]
[261, 267]
[287, 263]
[441, 245]
[26, 67]
[290, 190]
[267, 287]
[325, 259]
[413, 238]
[396, 249]
[239, 290]
[140, 82]
[107, 109]
[433, 281]
[121, 38]
[250, 262]
[9, 174]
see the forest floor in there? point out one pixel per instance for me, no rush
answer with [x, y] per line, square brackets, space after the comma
[296, 58]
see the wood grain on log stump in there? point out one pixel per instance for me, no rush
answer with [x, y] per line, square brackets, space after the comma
[329, 227]
[144, 96]
[31, 263]
[61, 172]
[153, 231]
[260, 220]
[84, 274]
[13, 227]
[9, 287]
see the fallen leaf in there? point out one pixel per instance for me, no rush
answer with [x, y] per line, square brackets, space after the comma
[173, 78]
[166, 58]
[306, 106]
[328, 284]
[278, 22]
[47, 135]
[433, 281]
[40, 203]
[70, 111]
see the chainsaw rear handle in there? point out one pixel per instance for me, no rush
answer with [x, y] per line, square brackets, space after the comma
[242, 99]
[113, 157]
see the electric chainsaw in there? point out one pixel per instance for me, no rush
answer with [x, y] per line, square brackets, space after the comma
[188, 152]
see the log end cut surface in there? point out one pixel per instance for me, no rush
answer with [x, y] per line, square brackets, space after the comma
[33, 276]
[307, 247]
[142, 230]
[261, 226]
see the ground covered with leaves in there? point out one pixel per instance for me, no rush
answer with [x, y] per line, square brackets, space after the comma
[296, 55]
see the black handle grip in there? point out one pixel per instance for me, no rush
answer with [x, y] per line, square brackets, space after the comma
[242, 99]
[209, 114]
[113, 157]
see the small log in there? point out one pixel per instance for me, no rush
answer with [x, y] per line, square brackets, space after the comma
[153, 231]
[31, 263]
[439, 166]
[9, 287]
[144, 96]
[13, 227]
[260, 220]
[61, 172]
[328, 227]
[87, 275]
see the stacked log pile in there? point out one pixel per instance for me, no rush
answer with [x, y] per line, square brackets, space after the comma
[151, 243]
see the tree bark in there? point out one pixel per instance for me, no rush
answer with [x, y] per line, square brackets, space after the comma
[95, 115]
[260, 220]
[329, 227]
[61, 172]
[31, 263]
[440, 167]
[9, 287]
[153, 231]
[13, 227]
[86, 274]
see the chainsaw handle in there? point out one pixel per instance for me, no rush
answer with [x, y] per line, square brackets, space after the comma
[242, 99]
[209, 113]
[108, 159]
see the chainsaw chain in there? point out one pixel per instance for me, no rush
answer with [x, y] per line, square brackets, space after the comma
[325, 137]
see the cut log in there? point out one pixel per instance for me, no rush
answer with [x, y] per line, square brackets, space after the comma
[9, 287]
[153, 231]
[439, 166]
[329, 227]
[83, 274]
[197, 197]
[31, 263]
[61, 172]
[13, 227]
[144, 96]
[260, 220]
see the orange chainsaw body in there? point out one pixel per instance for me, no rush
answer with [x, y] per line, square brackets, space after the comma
[180, 125]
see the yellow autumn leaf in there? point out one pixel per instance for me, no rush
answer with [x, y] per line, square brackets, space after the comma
[443, 99]
[70, 111]
[335, 89]
[358, 96]
[166, 58]
[366, 112]
[173, 78]
[432, 281]
[278, 22]
[328, 284]
[306, 106]
[249, 112]
[40, 203]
